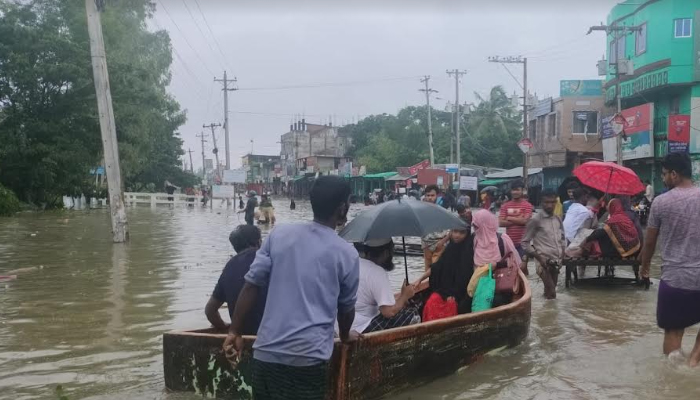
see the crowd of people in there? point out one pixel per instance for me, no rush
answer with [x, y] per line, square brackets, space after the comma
[326, 288]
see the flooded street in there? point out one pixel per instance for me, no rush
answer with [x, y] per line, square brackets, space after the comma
[89, 316]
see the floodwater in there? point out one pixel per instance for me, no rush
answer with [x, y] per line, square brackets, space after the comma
[89, 316]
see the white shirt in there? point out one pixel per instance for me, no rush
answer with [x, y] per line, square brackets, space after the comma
[373, 292]
[575, 217]
[649, 194]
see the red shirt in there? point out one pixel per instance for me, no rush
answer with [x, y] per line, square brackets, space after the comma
[521, 208]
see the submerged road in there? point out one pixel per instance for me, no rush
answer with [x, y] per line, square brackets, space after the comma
[88, 315]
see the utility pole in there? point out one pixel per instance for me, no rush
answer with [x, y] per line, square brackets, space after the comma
[428, 91]
[619, 32]
[457, 73]
[523, 61]
[226, 89]
[204, 165]
[189, 150]
[216, 149]
[110, 148]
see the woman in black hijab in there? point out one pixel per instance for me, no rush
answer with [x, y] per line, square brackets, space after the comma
[450, 275]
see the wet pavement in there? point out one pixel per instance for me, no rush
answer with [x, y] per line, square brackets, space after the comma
[89, 315]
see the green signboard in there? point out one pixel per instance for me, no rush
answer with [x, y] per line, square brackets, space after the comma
[580, 88]
[696, 45]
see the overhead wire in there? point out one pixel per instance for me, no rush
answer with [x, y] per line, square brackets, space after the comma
[184, 36]
[327, 84]
[202, 33]
[206, 23]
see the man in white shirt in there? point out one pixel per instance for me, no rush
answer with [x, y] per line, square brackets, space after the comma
[578, 216]
[649, 192]
[376, 307]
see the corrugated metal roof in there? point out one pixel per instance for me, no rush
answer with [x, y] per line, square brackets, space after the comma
[513, 173]
[382, 175]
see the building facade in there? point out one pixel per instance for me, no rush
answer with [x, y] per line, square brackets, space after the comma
[660, 95]
[261, 169]
[311, 148]
[565, 131]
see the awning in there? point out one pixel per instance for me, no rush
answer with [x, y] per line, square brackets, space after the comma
[493, 182]
[513, 173]
[382, 175]
[298, 178]
[400, 178]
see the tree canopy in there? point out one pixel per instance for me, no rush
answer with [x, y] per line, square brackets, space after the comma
[490, 131]
[49, 129]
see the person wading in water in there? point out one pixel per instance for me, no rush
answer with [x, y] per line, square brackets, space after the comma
[674, 220]
[312, 276]
[250, 208]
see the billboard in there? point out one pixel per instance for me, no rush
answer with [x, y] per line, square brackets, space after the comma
[639, 129]
[222, 192]
[468, 183]
[573, 88]
[234, 176]
[678, 133]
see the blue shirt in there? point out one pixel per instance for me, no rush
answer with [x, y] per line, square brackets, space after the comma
[311, 274]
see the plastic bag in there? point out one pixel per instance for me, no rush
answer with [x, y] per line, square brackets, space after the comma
[485, 289]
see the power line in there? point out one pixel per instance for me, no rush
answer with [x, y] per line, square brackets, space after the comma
[201, 32]
[216, 42]
[204, 64]
[513, 76]
[328, 84]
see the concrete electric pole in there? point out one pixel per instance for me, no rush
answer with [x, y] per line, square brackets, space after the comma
[204, 165]
[428, 91]
[226, 89]
[457, 73]
[523, 61]
[216, 149]
[120, 228]
[619, 31]
[189, 150]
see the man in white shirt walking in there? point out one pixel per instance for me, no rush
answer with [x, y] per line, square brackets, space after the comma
[649, 192]
[377, 308]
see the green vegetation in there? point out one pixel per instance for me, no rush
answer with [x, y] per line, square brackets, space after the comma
[49, 130]
[489, 136]
[9, 204]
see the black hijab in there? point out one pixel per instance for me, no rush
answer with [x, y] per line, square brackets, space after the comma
[451, 273]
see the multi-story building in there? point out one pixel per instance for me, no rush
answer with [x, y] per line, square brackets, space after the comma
[566, 130]
[261, 169]
[311, 148]
[659, 82]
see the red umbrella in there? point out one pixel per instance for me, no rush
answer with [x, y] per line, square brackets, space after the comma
[609, 178]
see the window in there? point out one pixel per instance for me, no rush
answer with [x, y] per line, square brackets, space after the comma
[683, 28]
[675, 106]
[640, 40]
[585, 123]
[533, 130]
[613, 57]
[552, 129]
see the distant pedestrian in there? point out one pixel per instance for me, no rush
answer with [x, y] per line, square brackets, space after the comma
[464, 199]
[515, 214]
[250, 208]
[544, 241]
[292, 205]
[170, 189]
[649, 192]
[570, 194]
[314, 276]
[674, 220]
[241, 205]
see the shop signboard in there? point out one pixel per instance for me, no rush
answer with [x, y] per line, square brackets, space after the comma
[222, 192]
[678, 133]
[638, 139]
[468, 183]
[234, 176]
[573, 88]
[421, 165]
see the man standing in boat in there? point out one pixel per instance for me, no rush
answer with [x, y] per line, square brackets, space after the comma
[312, 277]
[544, 241]
[674, 220]
[245, 240]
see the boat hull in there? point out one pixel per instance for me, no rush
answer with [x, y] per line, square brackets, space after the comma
[382, 363]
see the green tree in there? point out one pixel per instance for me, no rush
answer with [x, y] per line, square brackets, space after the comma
[49, 133]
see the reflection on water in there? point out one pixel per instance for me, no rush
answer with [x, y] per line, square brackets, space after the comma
[91, 314]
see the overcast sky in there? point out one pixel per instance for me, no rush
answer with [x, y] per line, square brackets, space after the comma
[357, 58]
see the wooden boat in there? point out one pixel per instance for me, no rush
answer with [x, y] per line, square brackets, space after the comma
[382, 363]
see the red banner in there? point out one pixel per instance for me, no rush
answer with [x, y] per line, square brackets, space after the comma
[421, 165]
[678, 133]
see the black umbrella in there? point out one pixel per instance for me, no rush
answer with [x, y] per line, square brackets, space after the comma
[400, 218]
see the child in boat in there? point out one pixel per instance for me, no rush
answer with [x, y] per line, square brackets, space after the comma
[376, 307]
[245, 239]
[449, 277]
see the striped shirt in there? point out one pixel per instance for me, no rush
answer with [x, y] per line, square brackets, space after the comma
[520, 208]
